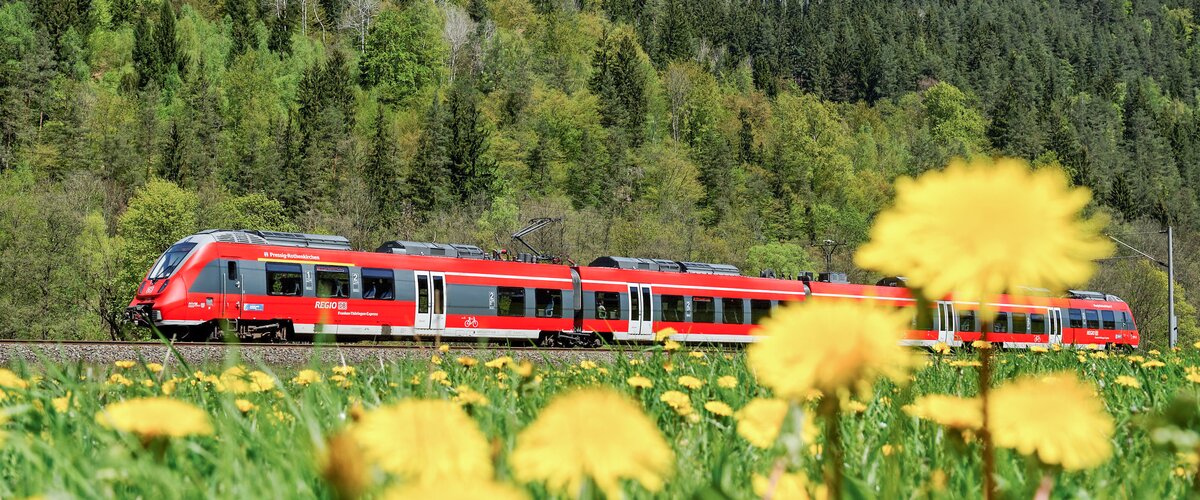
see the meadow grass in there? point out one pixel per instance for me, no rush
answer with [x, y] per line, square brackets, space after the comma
[272, 451]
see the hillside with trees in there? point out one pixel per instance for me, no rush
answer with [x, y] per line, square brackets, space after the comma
[711, 130]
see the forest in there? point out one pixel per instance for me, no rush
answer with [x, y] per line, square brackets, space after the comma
[734, 131]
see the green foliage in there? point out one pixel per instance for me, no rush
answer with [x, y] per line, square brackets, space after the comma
[159, 214]
[403, 52]
[783, 258]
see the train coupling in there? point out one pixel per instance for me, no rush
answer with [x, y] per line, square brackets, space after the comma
[142, 315]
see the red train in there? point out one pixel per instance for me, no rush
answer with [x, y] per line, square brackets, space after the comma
[283, 285]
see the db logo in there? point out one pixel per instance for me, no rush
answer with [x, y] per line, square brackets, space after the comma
[471, 322]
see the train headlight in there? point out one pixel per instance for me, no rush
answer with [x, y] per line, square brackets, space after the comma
[157, 315]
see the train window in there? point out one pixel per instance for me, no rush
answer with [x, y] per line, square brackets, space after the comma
[378, 284]
[1000, 324]
[733, 311]
[635, 312]
[1020, 323]
[759, 309]
[422, 293]
[1093, 319]
[284, 279]
[510, 301]
[548, 302]
[170, 260]
[1076, 318]
[923, 321]
[1125, 323]
[439, 294]
[1108, 319]
[608, 305]
[704, 310]
[333, 281]
[1037, 324]
[966, 321]
[673, 308]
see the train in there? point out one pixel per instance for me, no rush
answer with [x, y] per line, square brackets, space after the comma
[264, 285]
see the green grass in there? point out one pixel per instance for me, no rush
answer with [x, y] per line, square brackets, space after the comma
[261, 456]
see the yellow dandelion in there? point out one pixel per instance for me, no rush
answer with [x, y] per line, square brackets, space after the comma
[124, 364]
[942, 348]
[981, 344]
[1154, 352]
[1193, 377]
[1135, 359]
[156, 417]
[1084, 444]
[788, 486]
[1038, 348]
[500, 362]
[118, 379]
[147, 382]
[760, 420]
[639, 382]
[244, 406]
[1128, 381]
[696, 354]
[62, 404]
[853, 406]
[154, 367]
[931, 236]
[1100, 355]
[439, 376]
[1154, 363]
[523, 369]
[444, 348]
[467, 396]
[10, 380]
[671, 345]
[727, 382]
[668, 367]
[961, 363]
[306, 377]
[341, 381]
[456, 490]
[435, 359]
[691, 382]
[664, 334]
[345, 370]
[397, 438]
[236, 380]
[718, 408]
[343, 465]
[587, 364]
[592, 433]
[467, 361]
[678, 401]
[829, 346]
[168, 386]
[950, 411]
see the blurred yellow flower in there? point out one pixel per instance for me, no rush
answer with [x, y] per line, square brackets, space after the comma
[467, 361]
[1038, 348]
[640, 382]
[1135, 359]
[853, 406]
[168, 386]
[444, 348]
[154, 367]
[696, 354]
[942, 348]
[306, 377]
[961, 363]
[664, 334]
[592, 433]
[1084, 444]
[236, 380]
[523, 369]
[439, 376]
[671, 345]
[435, 359]
[118, 379]
[10, 380]
[718, 408]
[587, 364]
[341, 381]
[789, 486]
[147, 382]
[457, 490]
[931, 234]
[691, 382]
[467, 396]
[399, 440]
[981, 344]
[760, 420]
[678, 401]
[124, 364]
[1154, 363]
[500, 362]
[1128, 381]
[156, 417]
[244, 406]
[343, 465]
[727, 382]
[950, 411]
[345, 370]
[62, 404]
[1193, 377]
[828, 345]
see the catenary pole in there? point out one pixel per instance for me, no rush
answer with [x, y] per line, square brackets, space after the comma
[1171, 285]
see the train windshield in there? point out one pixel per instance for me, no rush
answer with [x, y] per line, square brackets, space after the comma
[170, 260]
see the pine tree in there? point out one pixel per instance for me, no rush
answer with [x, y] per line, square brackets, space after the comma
[172, 156]
[380, 171]
[675, 32]
[429, 178]
[619, 80]
[241, 17]
[282, 26]
[145, 54]
[171, 57]
[471, 171]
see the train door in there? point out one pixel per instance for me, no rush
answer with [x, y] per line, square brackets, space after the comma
[231, 291]
[641, 311]
[431, 301]
[1054, 325]
[946, 319]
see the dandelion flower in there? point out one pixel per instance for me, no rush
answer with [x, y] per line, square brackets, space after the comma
[931, 234]
[666, 333]
[691, 382]
[523, 369]
[343, 465]
[236, 380]
[10, 380]
[854, 406]
[965, 363]
[941, 348]
[829, 346]
[244, 406]
[1154, 363]
[62, 404]
[678, 401]
[124, 364]
[1193, 377]
[156, 417]
[345, 370]
[118, 379]
[306, 377]
[1128, 381]
[639, 382]
[592, 433]
[950, 411]
[469, 397]
[718, 408]
[500, 362]
[727, 382]
[788, 486]
[444, 348]
[154, 367]
[671, 345]
[397, 437]
[1084, 444]
[696, 354]
[467, 361]
[1038, 348]
[760, 420]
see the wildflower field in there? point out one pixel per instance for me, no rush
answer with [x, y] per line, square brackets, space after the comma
[667, 423]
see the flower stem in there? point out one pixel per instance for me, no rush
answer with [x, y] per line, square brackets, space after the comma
[985, 434]
[834, 461]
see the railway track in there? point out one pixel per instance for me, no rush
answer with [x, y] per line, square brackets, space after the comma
[103, 352]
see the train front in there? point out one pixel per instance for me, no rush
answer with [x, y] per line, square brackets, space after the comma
[161, 299]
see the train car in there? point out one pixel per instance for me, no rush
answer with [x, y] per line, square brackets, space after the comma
[259, 284]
